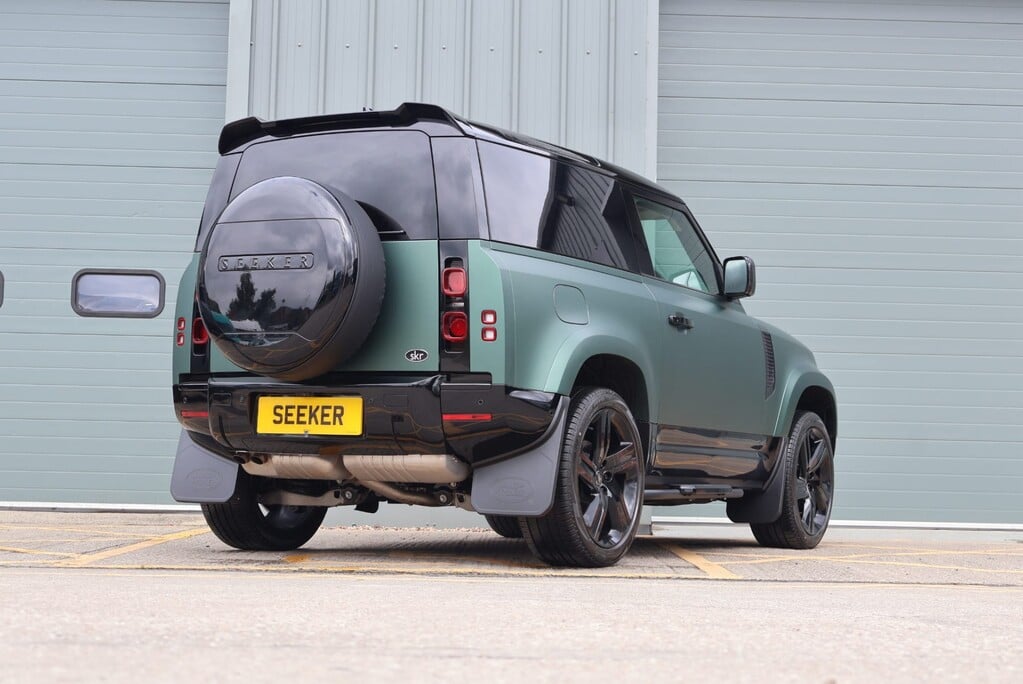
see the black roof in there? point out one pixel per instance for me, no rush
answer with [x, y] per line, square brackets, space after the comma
[431, 119]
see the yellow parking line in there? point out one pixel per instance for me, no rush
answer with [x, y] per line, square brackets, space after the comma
[297, 558]
[34, 552]
[88, 558]
[712, 569]
[411, 569]
[79, 530]
[964, 568]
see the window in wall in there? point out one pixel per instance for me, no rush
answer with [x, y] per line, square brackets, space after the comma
[677, 253]
[117, 293]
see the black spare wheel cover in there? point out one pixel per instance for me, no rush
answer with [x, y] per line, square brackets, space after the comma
[291, 279]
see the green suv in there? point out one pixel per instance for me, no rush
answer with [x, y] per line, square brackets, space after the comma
[408, 307]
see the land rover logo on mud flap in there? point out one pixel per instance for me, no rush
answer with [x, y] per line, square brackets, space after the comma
[204, 478]
[265, 262]
[417, 355]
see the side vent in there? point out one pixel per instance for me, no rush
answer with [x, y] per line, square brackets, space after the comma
[768, 363]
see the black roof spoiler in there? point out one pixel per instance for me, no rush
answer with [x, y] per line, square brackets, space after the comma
[239, 132]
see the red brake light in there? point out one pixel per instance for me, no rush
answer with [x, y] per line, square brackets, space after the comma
[455, 326]
[488, 317]
[489, 334]
[454, 282]
[199, 334]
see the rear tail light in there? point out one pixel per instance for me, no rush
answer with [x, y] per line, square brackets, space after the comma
[454, 282]
[199, 334]
[179, 338]
[455, 326]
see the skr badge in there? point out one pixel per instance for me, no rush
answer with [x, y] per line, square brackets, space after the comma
[417, 355]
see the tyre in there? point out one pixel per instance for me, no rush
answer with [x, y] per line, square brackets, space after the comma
[809, 488]
[244, 524]
[505, 525]
[599, 490]
[291, 279]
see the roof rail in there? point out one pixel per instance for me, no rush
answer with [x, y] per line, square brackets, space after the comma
[237, 133]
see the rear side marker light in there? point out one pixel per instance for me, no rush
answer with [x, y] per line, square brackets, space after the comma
[180, 339]
[199, 334]
[453, 282]
[455, 326]
[466, 417]
[489, 317]
[489, 334]
[195, 414]
[181, 324]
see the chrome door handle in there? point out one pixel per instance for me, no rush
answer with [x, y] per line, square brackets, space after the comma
[679, 321]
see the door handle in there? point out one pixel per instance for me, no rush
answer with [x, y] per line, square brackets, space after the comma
[679, 321]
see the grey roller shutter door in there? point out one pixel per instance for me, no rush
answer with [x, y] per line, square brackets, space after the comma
[869, 157]
[109, 113]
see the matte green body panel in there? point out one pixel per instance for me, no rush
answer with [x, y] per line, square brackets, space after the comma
[543, 351]
[796, 370]
[714, 373]
[711, 377]
[487, 292]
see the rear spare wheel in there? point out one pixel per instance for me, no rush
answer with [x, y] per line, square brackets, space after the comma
[291, 279]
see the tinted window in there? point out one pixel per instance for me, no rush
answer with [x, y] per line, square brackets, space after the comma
[390, 173]
[677, 253]
[456, 169]
[535, 202]
[216, 196]
[116, 293]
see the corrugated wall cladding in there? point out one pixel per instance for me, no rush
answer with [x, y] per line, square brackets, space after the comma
[572, 72]
[109, 114]
[869, 156]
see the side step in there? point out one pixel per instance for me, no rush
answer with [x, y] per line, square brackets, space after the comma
[695, 493]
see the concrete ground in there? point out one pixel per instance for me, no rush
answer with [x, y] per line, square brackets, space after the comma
[117, 597]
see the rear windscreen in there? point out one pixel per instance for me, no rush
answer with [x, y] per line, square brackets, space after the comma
[390, 173]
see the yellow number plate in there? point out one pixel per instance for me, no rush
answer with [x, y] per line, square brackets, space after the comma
[309, 415]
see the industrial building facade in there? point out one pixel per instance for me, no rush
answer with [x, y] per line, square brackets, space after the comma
[867, 155]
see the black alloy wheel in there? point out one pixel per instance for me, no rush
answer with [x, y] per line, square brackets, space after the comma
[809, 489]
[599, 493]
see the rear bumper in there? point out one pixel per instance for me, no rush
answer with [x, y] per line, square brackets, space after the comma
[474, 420]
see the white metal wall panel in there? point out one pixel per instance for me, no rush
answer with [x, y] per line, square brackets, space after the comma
[869, 157]
[571, 71]
[109, 113]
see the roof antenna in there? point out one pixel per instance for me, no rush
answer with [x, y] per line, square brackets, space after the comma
[367, 109]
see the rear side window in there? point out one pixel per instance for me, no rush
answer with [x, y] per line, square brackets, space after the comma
[390, 173]
[534, 201]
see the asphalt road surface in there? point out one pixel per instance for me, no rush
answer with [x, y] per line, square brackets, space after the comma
[119, 598]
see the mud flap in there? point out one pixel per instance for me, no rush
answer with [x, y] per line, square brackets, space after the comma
[522, 484]
[763, 506]
[200, 476]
